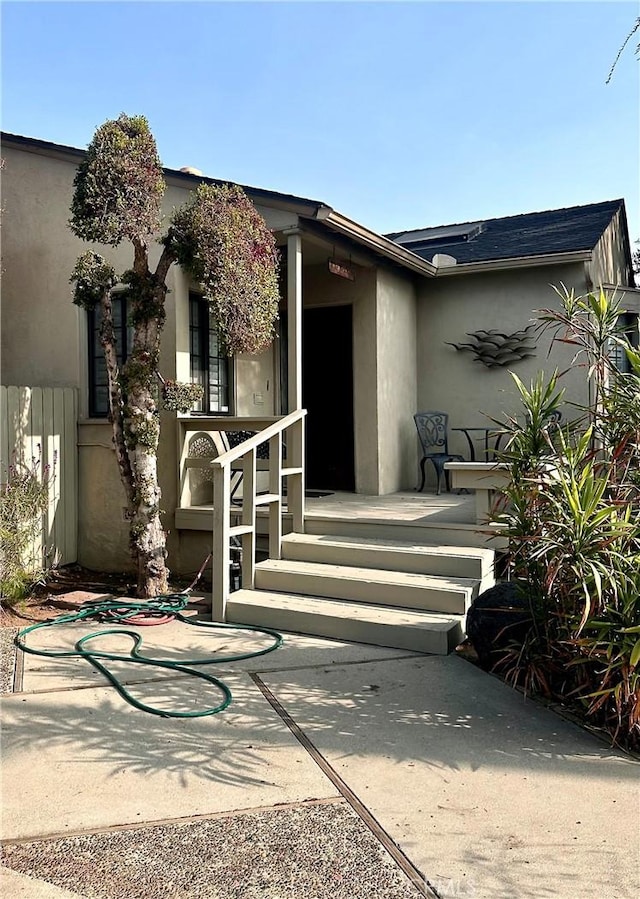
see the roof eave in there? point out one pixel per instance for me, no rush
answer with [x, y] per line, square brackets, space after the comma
[376, 242]
[289, 202]
[495, 265]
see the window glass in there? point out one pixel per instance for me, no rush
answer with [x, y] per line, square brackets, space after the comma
[98, 383]
[209, 367]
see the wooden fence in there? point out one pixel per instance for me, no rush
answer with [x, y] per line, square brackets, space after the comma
[40, 423]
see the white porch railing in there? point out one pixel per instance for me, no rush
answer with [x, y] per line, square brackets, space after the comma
[289, 429]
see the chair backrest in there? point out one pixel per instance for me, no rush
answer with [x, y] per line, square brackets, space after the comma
[554, 418]
[432, 431]
[237, 437]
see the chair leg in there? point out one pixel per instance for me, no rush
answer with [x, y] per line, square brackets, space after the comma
[438, 472]
[421, 487]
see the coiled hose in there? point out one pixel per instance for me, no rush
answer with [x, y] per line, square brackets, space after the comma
[165, 607]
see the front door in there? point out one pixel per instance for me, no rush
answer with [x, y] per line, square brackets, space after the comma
[327, 395]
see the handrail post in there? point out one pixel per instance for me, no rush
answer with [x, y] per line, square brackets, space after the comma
[221, 537]
[249, 487]
[295, 486]
[275, 487]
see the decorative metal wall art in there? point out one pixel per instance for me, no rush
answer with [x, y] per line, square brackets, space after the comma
[494, 348]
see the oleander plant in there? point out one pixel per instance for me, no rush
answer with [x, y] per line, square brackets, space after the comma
[571, 516]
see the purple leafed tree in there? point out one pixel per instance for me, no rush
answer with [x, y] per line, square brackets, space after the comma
[221, 240]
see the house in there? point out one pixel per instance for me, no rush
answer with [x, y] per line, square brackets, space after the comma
[366, 336]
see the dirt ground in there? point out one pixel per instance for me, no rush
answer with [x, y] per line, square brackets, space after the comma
[64, 591]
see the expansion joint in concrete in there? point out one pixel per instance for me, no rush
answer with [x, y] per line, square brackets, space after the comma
[417, 878]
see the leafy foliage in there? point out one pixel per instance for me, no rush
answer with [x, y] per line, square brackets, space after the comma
[572, 518]
[225, 244]
[23, 499]
[119, 185]
[222, 241]
[178, 396]
[92, 276]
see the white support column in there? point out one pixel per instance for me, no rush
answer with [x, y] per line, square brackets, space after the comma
[221, 537]
[294, 318]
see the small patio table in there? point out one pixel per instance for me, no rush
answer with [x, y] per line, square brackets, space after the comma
[486, 433]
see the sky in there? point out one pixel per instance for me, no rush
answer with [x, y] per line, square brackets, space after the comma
[397, 114]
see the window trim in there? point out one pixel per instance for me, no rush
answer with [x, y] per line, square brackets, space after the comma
[203, 331]
[96, 358]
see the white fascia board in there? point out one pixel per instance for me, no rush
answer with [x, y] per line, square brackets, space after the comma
[495, 265]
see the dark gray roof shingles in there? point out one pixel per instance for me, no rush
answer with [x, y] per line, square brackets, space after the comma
[532, 234]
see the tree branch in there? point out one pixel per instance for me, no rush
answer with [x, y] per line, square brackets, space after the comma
[629, 36]
[165, 262]
[141, 257]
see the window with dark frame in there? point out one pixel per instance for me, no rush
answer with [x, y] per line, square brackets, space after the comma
[628, 324]
[98, 383]
[209, 366]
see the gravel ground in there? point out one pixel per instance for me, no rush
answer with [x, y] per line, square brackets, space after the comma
[7, 658]
[316, 852]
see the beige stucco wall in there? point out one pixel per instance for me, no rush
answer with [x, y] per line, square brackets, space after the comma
[609, 264]
[321, 288]
[40, 327]
[44, 341]
[384, 369]
[450, 307]
[396, 382]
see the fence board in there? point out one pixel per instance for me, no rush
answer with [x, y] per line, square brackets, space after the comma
[41, 423]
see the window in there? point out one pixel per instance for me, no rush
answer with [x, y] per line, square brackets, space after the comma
[209, 366]
[628, 324]
[98, 384]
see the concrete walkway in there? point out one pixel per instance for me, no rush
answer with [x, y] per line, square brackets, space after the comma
[338, 770]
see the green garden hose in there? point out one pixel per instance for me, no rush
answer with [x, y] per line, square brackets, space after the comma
[169, 605]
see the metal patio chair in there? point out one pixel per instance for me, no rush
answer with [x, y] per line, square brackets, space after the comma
[432, 431]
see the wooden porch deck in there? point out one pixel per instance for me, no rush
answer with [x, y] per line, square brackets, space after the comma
[448, 519]
[419, 509]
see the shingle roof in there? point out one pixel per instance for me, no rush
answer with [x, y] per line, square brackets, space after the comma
[257, 192]
[532, 234]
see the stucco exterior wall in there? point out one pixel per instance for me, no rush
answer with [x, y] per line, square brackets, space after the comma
[321, 288]
[396, 384]
[40, 327]
[451, 307]
[610, 264]
[44, 341]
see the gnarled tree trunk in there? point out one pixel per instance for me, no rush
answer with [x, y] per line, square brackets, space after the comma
[134, 417]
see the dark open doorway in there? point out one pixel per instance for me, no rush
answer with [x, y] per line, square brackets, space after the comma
[327, 395]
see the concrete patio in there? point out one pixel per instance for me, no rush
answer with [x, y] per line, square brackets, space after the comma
[338, 770]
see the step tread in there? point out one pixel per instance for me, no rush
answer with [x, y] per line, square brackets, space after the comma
[374, 543]
[368, 575]
[364, 612]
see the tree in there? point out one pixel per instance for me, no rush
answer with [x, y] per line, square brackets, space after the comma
[636, 26]
[220, 238]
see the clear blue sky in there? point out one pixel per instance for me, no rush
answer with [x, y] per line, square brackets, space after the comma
[399, 115]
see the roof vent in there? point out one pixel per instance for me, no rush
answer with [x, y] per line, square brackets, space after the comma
[447, 234]
[190, 170]
[442, 260]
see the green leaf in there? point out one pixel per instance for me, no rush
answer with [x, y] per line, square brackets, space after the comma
[635, 655]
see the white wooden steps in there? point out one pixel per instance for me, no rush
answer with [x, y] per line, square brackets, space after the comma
[370, 590]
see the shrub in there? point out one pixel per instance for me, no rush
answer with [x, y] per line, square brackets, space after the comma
[572, 519]
[23, 499]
